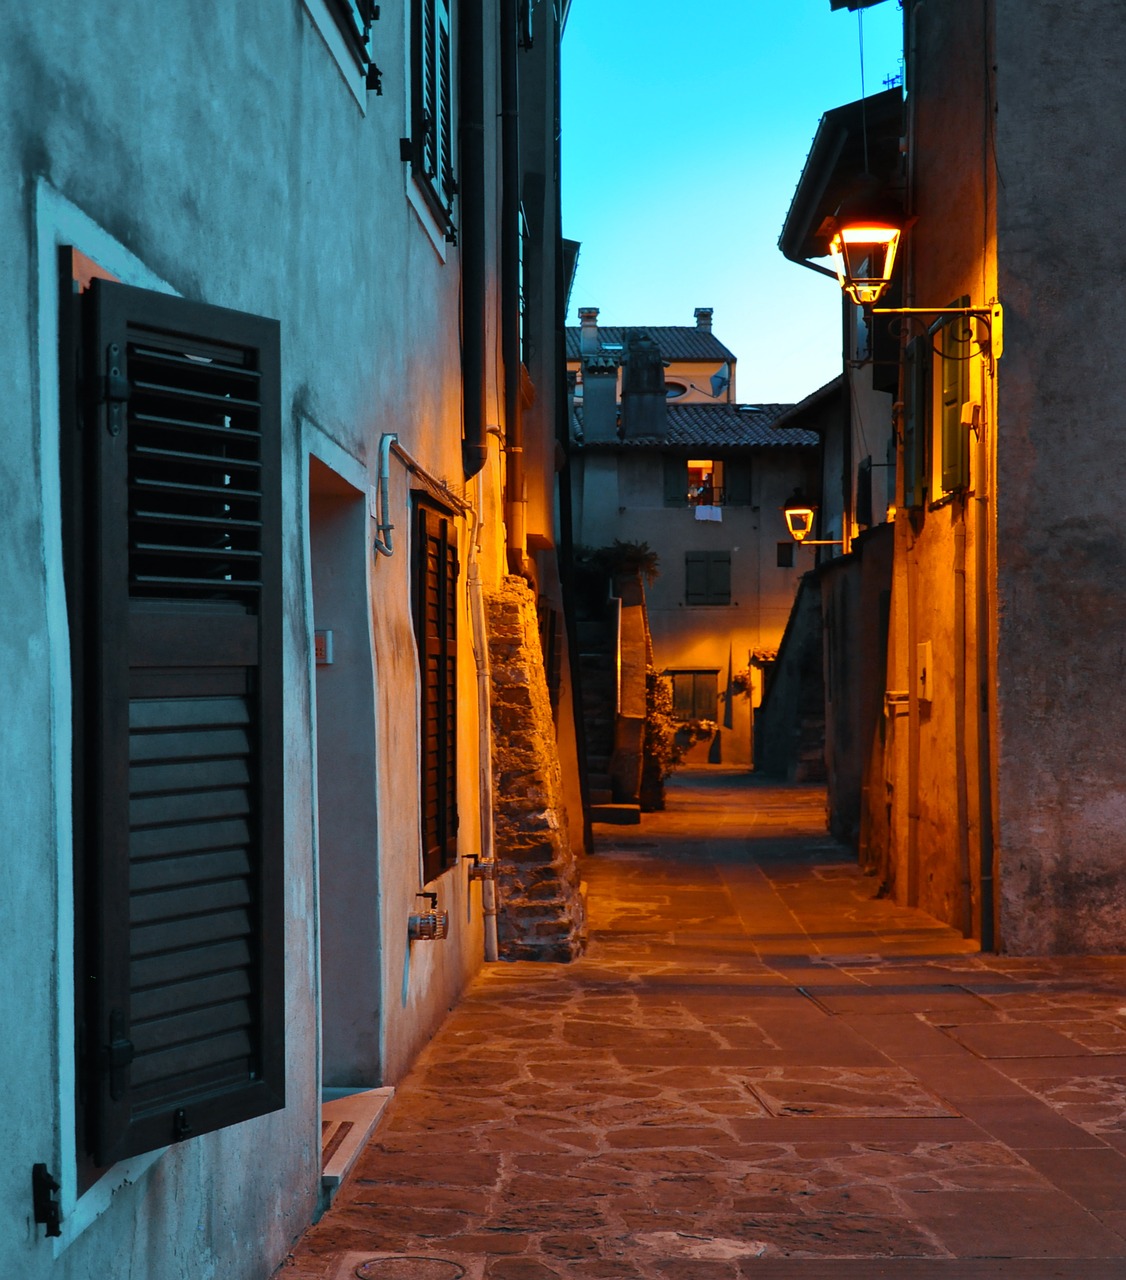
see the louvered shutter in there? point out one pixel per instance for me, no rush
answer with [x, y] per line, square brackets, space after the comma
[675, 481]
[432, 130]
[435, 613]
[737, 482]
[915, 421]
[955, 364]
[719, 577]
[181, 685]
[696, 577]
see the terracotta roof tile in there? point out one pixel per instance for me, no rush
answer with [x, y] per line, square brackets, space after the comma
[718, 425]
[675, 342]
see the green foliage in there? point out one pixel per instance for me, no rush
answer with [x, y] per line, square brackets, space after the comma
[621, 559]
[663, 751]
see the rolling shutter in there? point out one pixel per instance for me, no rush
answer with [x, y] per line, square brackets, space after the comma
[181, 846]
[435, 615]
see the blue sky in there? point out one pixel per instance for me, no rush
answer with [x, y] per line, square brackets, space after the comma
[685, 128]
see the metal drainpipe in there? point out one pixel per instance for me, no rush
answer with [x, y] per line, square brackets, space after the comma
[475, 449]
[983, 683]
[515, 486]
[960, 744]
[484, 743]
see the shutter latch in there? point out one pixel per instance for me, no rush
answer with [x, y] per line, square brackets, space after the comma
[44, 1207]
[118, 1054]
[114, 390]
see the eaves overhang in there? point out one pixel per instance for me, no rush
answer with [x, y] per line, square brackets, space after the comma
[854, 141]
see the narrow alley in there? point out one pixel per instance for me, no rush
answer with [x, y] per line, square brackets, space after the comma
[758, 1069]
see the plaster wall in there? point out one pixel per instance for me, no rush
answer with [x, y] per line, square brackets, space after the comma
[626, 502]
[1061, 525]
[933, 744]
[220, 152]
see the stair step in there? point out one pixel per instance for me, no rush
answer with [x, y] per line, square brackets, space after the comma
[621, 815]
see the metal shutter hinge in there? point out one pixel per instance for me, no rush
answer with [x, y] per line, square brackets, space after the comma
[113, 390]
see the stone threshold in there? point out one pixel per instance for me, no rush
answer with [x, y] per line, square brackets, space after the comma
[348, 1119]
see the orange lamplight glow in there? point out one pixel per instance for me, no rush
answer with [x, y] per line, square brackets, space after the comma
[863, 254]
[799, 521]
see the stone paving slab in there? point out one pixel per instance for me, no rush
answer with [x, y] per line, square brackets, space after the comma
[758, 1071]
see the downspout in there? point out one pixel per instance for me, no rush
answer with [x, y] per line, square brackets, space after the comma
[963, 796]
[487, 860]
[984, 684]
[474, 448]
[515, 486]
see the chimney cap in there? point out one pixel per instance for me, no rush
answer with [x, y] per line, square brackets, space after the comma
[588, 313]
[704, 318]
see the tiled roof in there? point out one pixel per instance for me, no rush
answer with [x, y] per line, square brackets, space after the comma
[718, 425]
[675, 342]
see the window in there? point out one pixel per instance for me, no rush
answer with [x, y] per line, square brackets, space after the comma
[171, 473]
[430, 146]
[707, 577]
[786, 555]
[354, 19]
[435, 571]
[694, 693]
[706, 482]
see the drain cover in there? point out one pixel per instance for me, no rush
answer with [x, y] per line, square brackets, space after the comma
[407, 1268]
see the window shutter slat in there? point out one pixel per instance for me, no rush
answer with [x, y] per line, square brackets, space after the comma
[182, 853]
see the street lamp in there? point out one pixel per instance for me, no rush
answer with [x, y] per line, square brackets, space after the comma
[799, 520]
[863, 253]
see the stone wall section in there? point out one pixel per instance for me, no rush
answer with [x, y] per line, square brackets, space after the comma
[541, 908]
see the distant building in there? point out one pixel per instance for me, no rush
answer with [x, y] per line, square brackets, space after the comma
[663, 454]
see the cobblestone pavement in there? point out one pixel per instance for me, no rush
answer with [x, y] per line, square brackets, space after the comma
[758, 1071]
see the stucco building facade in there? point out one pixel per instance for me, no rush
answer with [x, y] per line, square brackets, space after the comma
[991, 787]
[262, 477]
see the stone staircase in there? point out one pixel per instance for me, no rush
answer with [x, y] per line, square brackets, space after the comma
[598, 665]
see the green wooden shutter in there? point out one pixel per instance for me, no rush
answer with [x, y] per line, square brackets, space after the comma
[916, 417]
[181, 841]
[435, 613]
[955, 348]
[695, 577]
[676, 480]
[737, 482]
[719, 577]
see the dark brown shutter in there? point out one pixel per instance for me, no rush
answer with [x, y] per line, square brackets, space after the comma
[676, 480]
[435, 613]
[916, 419]
[182, 843]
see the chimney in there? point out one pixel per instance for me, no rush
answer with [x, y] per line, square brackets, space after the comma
[589, 342]
[703, 319]
[644, 399]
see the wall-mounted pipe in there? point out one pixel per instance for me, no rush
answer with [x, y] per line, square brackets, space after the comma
[471, 82]
[515, 490]
[487, 857]
[382, 540]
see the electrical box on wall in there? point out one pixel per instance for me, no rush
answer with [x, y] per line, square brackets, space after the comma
[926, 662]
[322, 648]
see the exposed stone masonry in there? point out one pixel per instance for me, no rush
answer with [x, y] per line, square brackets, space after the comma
[542, 915]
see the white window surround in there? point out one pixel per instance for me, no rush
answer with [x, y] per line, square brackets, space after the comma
[58, 222]
[330, 34]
